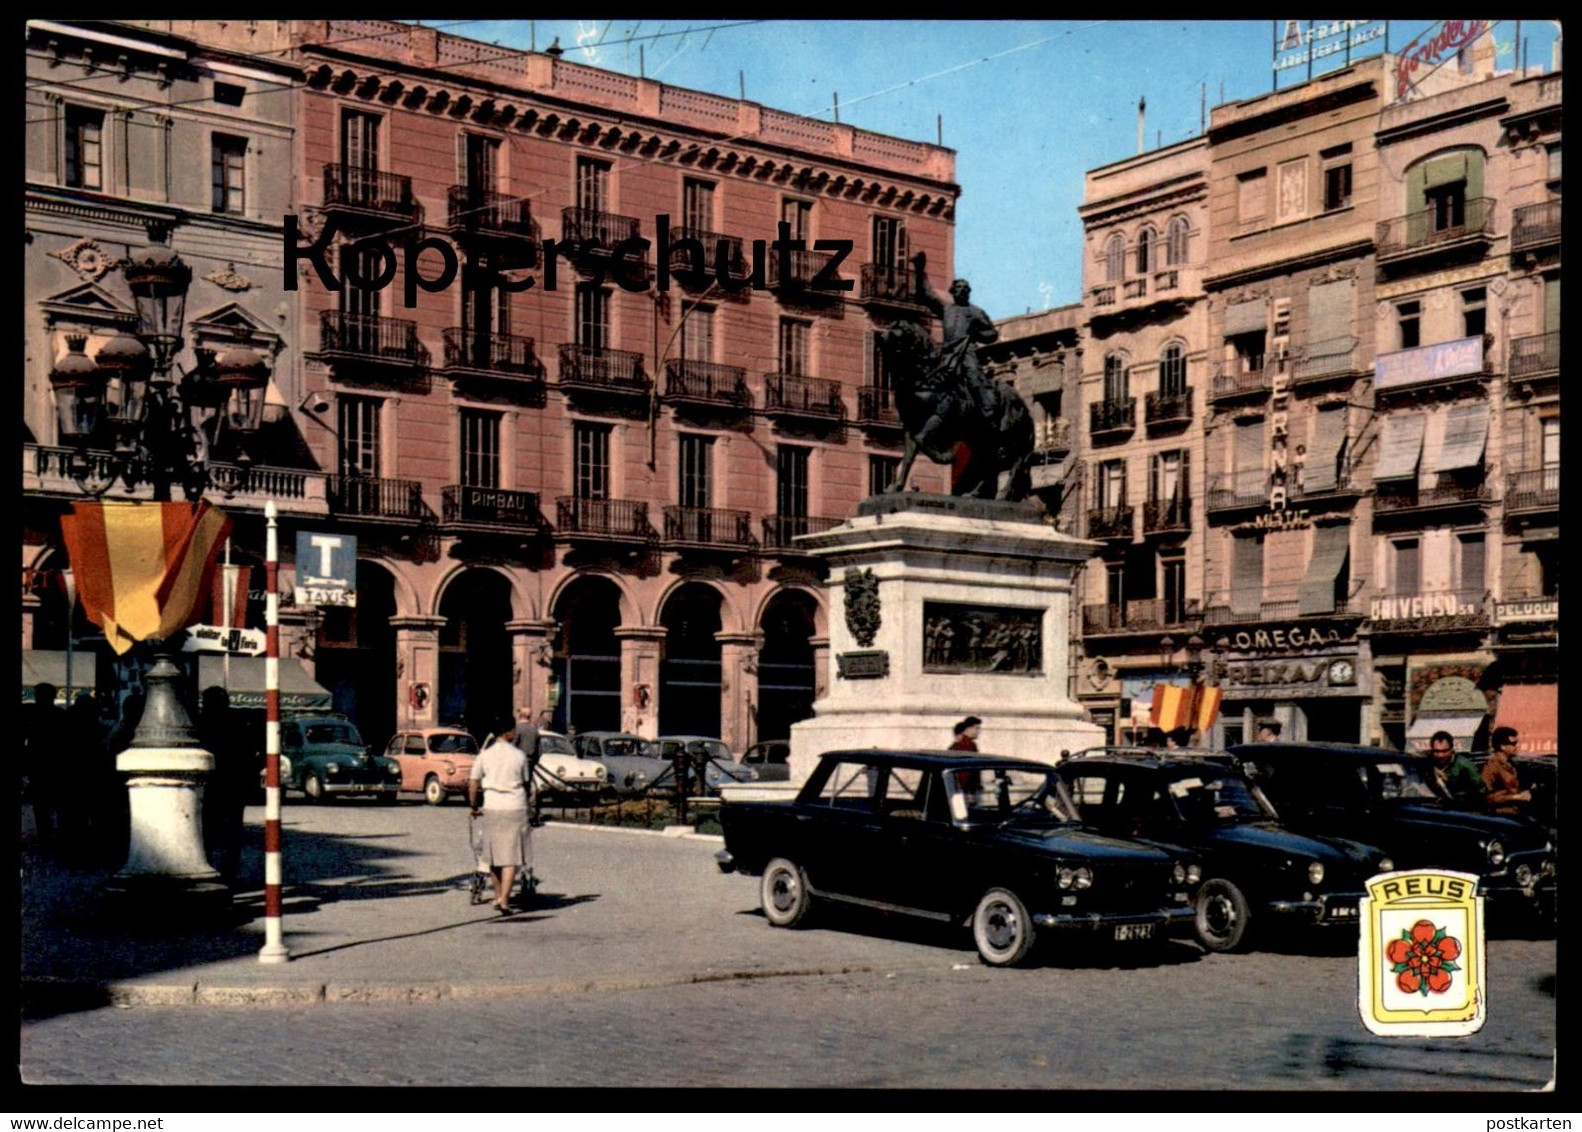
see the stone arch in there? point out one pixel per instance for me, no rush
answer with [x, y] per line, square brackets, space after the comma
[586, 680]
[522, 608]
[355, 652]
[690, 672]
[623, 589]
[820, 606]
[731, 599]
[474, 673]
[787, 681]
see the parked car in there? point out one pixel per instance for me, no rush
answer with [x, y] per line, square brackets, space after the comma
[433, 760]
[633, 762]
[1254, 869]
[1536, 773]
[1394, 801]
[771, 759]
[994, 843]
[713, 755]
[323, 756]
[563, 775]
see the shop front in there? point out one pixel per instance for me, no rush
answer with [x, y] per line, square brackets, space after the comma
[1316, 685]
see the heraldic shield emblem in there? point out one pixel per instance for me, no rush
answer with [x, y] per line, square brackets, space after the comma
[1420, 959]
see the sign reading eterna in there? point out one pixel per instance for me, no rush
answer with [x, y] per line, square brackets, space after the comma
[1421, 605]
[326, 569]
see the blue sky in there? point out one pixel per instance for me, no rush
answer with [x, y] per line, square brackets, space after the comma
[1027, 105]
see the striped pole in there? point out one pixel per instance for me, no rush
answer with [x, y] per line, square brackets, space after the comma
[274, 950]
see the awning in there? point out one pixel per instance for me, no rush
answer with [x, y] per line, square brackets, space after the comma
[1245, 318]
[1462, 725]
[1321, 472]
[47, 666]
[1534, 710]
[1331, 546]
[1400, 444]
[1466, 430]
[1329, 312]
[298, 690]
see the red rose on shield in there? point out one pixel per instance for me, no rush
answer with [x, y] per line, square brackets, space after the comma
[1423, 958]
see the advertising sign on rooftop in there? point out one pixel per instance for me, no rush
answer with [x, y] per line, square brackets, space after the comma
[1302, 43]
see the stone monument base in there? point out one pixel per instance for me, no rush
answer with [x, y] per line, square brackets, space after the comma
[941, 608]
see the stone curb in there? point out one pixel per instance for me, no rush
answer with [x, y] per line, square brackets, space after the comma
[683, 832]
[45, 994]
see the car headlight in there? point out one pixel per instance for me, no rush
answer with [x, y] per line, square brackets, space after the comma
[1194, 874]
[1065, 877]
[751, 776]
[393, 769]
[1315, 873]
[332, 768]
[1178, 874]
[1496, 853]
[1083, 878]
[1386, 865]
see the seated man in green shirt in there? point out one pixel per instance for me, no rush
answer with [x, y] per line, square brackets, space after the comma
[1457, 773]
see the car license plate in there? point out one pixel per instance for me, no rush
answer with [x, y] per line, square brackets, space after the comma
[1134, 931]
[1342, 912]
[359, 786]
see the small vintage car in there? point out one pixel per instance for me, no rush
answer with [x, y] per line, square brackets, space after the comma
[771, 759]
[562, 774]
[433, 760]
[1254, 869]
[323, 756]
[994, 843]
[1394, 800]
[633, 762]
[713, 755]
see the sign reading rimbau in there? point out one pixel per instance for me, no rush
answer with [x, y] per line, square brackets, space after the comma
[326, 569]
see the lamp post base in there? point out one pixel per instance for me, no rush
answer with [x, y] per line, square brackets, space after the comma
[165, 863]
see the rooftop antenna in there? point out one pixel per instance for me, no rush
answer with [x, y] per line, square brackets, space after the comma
[1142, 105]
[1202, 110]
[532, 35]
[741, 84]
[837, 105]
[642, 72]
[939, 129]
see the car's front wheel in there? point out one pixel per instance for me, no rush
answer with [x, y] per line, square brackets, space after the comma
[433, 791]
[313, 787]
[1222, 915]
[1002, 929]
[784, 893]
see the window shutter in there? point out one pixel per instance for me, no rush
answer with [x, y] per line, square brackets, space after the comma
[1446, 170]
[1249, 457]
[1466, 431]
[1433, 443]
[1183, 485]
[1474, 174]
[461, 159]
[1331, 546]
[1551, 305]
[903, 250]
[1321, 472]
[1245, 318]
[1153, 479]
[1328, 314]
[1246, 586]
[1400, 445]
[1416, 190]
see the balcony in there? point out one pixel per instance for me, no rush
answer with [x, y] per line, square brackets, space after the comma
[1162, 409]
[1110, 522]
[889, 285]
[1112, 418]
[1252, 607]
[1346, 488]
[1535, 226]
[876, 407]
[1532, 492]
[369, 338]
[596, 369]
[1047, 468]
[1325, 361]
[603, 520]
[1407, 497]
[1103, 296]
[708, 528]
[1167, 516]
[781, 530]
[368, 193]
[1435, 230]
[792, 395]
[585, 225]
[1535, 356]
[487, 213]
[794, 272]
[504, 356]
[369, 497]
[1149, 615]
[1054, 441]
[1225, 493]
[1242, 378]
[48, 471]
[465, 506]
[705, 383]
[1429, 612]
[681, 263]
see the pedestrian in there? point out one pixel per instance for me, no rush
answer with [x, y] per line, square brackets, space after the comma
[225, 791]
[80, 819]
[967, 732]
[1502, 786]
[499, 787]
[1269, 730]
[46, 745]
[1457, 774]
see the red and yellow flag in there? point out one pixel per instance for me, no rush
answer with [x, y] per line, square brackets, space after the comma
[141, 568]
[1176, 706]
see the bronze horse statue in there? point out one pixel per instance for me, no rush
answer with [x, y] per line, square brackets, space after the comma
[942, 404]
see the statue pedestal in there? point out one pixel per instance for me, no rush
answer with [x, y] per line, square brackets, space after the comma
[974, 608]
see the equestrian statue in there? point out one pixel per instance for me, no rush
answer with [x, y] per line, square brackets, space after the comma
[945, 399]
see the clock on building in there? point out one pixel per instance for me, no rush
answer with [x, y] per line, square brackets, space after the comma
[1342, 672]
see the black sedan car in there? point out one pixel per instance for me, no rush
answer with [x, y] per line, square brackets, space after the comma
[958, 838]
[1254, 869]
[1394, 801]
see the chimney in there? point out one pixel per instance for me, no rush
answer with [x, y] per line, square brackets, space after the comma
[1142, 104]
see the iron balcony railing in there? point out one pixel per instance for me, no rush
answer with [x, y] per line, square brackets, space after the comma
[512, 354]
[876, 405]
[1103, 296]
[1168, 408]
[1242, 379]
[1434, 228]
[617, 370]
[1242, 607]
[1534, 225]
[1054, 440]
[584, 224]
[687, 380]
[708, 526]
[1406, 495]
[1321, 361]
[369, 336]
[1160, 515]
[791, 394]
[780, 530]
[1112, 416]
[1134, 289]
[1226, 492]
[467, 504]
[797, 269]
[1533, 490]
[1143, 615]
[1537, 355]
[889, 283]
[481, 210]
[371, 497]
[253, 479]
[1110, 522]
[1344, 485]
[681, 258]
[349, 186]
[602, 518]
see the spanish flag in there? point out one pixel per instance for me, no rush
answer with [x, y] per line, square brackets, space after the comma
[142, 568]
[1195, 708]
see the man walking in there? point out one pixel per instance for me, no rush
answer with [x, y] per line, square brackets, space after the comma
[1502, 785]
[1456, 772]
